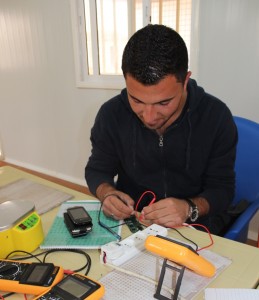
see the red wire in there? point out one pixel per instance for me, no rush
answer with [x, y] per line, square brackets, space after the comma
[68, 272]
[141, 197]
[139, 218]
[210, 236]
[154, 199]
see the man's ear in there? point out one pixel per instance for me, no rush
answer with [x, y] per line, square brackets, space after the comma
[189, 73]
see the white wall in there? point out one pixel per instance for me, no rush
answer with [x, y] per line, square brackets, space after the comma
[228, 53]
[226, 37]
[45, 120]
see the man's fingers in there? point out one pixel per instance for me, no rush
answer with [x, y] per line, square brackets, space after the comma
[114, 207]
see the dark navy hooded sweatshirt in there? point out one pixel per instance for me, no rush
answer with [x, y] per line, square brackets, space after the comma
[194, 157]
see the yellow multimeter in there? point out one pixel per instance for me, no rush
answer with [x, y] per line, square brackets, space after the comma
[74, 287]
[28, 278]
[180, 253]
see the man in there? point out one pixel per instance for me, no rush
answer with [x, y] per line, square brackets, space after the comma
[162, 134]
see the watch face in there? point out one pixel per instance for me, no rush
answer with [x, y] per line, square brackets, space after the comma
[195, 214]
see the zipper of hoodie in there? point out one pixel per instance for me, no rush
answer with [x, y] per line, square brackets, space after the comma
[161, 145]
[161, 141]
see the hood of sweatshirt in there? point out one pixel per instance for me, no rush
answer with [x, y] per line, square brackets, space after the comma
[195, 94]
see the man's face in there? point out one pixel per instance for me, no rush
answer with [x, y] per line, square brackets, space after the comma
[159, 105]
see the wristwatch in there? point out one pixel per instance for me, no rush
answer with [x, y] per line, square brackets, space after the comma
[193, 211]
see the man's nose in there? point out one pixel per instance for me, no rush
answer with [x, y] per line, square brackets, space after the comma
[149, 113]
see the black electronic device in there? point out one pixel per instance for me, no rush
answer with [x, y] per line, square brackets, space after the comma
[133, 224]
[74, 287]
[79, 215]
[76, 230]
[29, 278]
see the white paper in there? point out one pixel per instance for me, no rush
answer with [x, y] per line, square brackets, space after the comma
[44, 197]
[231, 294]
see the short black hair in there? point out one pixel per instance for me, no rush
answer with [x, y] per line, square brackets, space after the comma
[154, 52]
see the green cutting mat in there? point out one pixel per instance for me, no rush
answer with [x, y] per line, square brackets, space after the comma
[58, 236]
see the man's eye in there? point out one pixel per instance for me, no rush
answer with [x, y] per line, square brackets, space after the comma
[136, 100]
[164, 103]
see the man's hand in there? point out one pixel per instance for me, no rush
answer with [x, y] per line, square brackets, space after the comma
[118, 205]
[169, 212]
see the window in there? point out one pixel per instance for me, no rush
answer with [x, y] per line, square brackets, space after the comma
[101, 29]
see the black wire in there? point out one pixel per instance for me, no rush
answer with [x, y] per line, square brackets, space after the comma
[7, 295]
[186, 238]
[118, 225]
[87, 256]
[46, 253]
[109, 228]
[26, 257]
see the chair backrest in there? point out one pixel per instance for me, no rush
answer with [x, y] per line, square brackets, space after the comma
[247, 160]
[247, 177]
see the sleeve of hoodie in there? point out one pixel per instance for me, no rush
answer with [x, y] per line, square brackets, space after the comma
[219, 178]
[102, 165]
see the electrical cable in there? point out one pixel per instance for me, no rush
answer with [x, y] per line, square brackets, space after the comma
[186, 225]
[87, 256]
[141, 197]
[192, 226]
[24, 258]
[46, 253]
[99, 218]
[108, 228]
[187, 239]
[210, 236]
[87, 265]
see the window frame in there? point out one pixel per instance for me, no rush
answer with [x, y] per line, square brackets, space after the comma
[98, 81]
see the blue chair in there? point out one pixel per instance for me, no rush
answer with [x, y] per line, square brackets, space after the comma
[247, 176]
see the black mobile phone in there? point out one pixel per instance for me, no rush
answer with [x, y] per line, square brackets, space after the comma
[79, 215]
[76, 230]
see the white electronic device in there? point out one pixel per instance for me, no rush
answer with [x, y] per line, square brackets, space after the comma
[116, 253]
[20, 227]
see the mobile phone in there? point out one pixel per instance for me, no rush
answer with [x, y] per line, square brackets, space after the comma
[74, 287]
[79, 215]
[76, 230]
[29, 278]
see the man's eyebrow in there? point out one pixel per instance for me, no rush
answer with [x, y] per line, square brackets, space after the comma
[164, 100]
